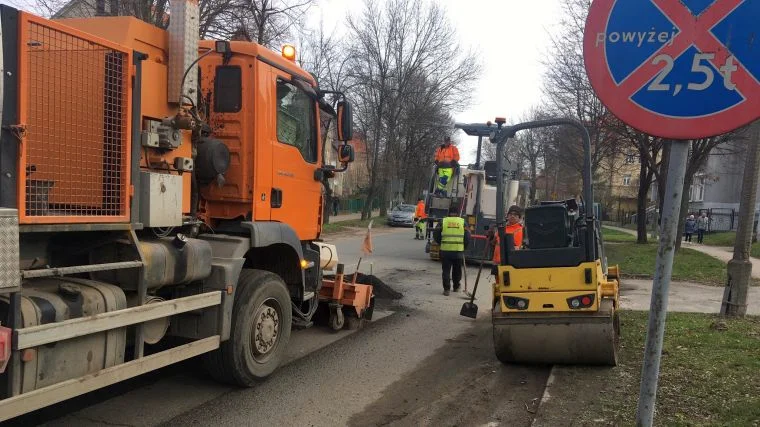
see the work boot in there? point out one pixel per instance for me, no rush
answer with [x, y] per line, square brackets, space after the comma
[456, 288]
[446, 292]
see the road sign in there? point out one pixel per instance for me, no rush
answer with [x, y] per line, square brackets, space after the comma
[678, 69]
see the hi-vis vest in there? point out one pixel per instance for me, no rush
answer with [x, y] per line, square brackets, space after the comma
[452, 235]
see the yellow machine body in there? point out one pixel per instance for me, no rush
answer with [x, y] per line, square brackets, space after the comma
[535, 321]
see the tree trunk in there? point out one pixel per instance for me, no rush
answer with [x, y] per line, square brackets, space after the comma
[685, 196]
[367, 210]
[384, 197]
[327, 201]
[645, 181]
[663, 179]
[740, 268]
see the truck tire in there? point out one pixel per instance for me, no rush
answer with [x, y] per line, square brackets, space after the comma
[259, 334]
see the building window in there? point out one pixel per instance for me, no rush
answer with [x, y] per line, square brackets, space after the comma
[698, 189]
[630, 159]
[626, 180]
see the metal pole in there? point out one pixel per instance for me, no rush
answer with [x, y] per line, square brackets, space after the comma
[479, 182]
[658, 309]
[500, 216]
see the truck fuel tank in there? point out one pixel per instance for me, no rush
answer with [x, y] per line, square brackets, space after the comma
[168, 261]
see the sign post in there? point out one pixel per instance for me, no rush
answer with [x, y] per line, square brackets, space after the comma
[663, 269]
[681, 70]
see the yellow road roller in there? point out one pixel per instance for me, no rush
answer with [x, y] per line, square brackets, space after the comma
[555, 300]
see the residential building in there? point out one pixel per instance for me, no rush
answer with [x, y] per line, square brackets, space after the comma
[617, 185]
[717, 187]
[356, 177]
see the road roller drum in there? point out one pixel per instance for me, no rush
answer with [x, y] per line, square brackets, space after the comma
[558, 338]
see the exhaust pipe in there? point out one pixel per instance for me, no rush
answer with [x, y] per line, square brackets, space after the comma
[184, 27]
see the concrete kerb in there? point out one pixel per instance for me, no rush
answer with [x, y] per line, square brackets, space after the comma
[639, 290]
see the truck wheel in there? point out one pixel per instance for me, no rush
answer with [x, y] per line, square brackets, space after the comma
[260, 331]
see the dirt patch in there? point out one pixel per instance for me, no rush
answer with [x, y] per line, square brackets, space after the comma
[462, 384]
[381, 289]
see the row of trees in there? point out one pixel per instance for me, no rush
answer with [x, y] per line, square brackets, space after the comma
[402, 66]
[555, 155]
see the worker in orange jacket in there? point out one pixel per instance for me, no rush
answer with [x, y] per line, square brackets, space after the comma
[446, 161]
[513, 227]
[419, 217]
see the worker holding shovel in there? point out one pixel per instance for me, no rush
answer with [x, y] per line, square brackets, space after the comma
[453, 238]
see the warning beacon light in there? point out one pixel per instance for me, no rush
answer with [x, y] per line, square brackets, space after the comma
[289, 52]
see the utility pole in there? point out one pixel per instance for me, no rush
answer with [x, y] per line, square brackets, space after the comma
[740, 267]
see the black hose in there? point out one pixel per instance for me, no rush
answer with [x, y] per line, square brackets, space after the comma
[194, 196]
[182, 85]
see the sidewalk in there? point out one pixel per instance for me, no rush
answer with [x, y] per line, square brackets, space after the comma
[349, 217]
[718, 252]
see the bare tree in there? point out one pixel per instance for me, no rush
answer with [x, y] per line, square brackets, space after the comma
[569, 92]
[267, 22]
[406, 73]
[531, 147]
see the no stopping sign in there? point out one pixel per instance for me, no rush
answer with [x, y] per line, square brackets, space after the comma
[677, 69]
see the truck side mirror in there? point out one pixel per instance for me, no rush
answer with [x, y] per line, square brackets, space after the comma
[346, 153]
[345, 114]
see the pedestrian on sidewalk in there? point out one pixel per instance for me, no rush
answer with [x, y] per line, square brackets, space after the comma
[702, 224]
[690, 228]
[453, 238]
[335, 205]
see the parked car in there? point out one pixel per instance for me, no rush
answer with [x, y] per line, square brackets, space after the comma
[402, 215]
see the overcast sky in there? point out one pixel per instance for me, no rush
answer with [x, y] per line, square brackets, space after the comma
[512, 37]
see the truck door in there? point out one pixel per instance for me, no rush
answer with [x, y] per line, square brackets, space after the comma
[295, 197]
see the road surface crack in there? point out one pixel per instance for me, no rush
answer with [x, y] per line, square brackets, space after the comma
[104, 422]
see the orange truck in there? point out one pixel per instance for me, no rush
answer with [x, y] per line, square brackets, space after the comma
[170, 207]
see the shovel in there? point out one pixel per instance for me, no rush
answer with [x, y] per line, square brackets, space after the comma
[470, 309]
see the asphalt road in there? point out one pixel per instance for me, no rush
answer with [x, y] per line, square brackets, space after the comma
[421, 364]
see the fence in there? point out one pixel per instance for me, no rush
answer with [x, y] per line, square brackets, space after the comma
[721, 219]
[355, 205]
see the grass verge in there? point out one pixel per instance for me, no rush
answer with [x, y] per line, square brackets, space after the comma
[710, 373]
[726, 239]
[689, 265]
[615, 236]
[353, 224]
[721, 238]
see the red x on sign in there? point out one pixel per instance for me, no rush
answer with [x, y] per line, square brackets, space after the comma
[678, 69]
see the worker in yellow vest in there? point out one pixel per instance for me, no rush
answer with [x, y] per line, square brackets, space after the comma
[453, 238]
